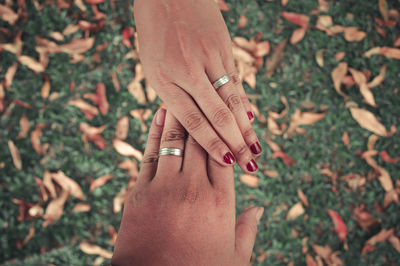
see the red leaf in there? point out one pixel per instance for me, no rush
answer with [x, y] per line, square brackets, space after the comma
[298, 19]
[126, 34]
[286, 158]
[340, 226]
[385, 156]
[94, 2]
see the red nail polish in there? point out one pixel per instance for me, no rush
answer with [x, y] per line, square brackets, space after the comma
[255, 148]
[228, 158]
[252, 166]
[250, 115]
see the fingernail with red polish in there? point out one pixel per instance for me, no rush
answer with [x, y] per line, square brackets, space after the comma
[255, 148]
[252, 166]
[250, 115]
[228, 158]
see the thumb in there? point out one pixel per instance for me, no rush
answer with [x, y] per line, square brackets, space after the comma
[246, 231]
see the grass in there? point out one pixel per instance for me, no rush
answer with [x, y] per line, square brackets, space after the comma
[321, 144]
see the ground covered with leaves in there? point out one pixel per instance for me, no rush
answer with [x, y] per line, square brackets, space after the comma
[323, 78]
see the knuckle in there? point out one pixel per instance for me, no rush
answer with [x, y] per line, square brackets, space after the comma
[248, 133]
[214, 145]
[193, 121]
[154, 137]
[173, 134]
[233, 102]
[221, 198]
[222, 117]
[241, 150]
[191, 194]
[151, 157]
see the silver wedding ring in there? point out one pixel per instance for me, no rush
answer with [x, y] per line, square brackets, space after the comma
[170, 151]
[221, 81]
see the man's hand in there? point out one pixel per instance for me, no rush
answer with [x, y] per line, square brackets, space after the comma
[182, 209]
[184, 47]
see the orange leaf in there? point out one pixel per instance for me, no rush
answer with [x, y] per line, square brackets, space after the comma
[101, 98]
[55, 208]
[86, 108]
[94, 249]
[275, 58]
[383, 8]
[15, 155]
[310, 261]
[352, 34]
[222, 5]
[295, 211]
[346, 139]
[118, 200]
[68, 184]
[379, 78]
[77, 46]
[262, 49]
[121, 131]
[339, 56]
[29, 236]
[136, 89]
[303, 118]
[390, 52]
[24, 126]
[298, 35]
[81, 207]
[31, 63]
[126, 149]
[88, 129]
[286, 158]
[98, 182]
[242, 21]
[368, 121]
[46, 87]
[390, 196]
[249, 180]
[340, 226]
[7, 14]
[298, 19]
[127, 33]
[9, 76]
[94, 2]
[302, 197]
[36, 134]
[361, 81]
[337, 76]
[395, 241]
[49, 184]
[386, 157]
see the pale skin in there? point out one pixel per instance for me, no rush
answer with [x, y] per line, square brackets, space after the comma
[184, 47]
[182, 209]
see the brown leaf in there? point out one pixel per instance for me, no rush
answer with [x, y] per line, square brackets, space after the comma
[136, 89]
[42, 188]
[126, 149]
[86, 108]
[303, 118]
[262, 49]
[337, 76]
[249, 180]
[390, 52]
[49, 184]
[122, 129]
[295, 211]
[286, 158]
[339, 56]
[386, 157]
[2, 96]
[298, 19]
[81, 207]
[94, 249]
[298, 35]
[29, 236]
[55, 208]
[31, 63]
[9, 76]
[302, 197]
[36, 134]
[346, 139]
[379, 78]
[24, 126]
[70, 29]
[383, 8]
[98, 182]
[101, 98]
[131, 166]
[319, 57]
[284, 2]
[310, 261]
[367, 120]
[395, 241]
[115, 81]
[88, 129]
[77, 46]
[382, 236]
[352, 34]
[361, 81]
[118, 200]
[7, 14]
[242, 21]
[46, 87]
[15, 155]
[58, 36]
[68, 184]
[275, 58]
[390, 196]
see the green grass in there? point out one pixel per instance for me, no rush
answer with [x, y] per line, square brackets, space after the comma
[322, 143]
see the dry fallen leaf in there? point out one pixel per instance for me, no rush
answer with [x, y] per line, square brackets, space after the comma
[77, 46]
[382, 236]
[242, 21]
[389, 52]
[46, 87]
[9, 76]
[383, 8]
[94, 249]
[337, 76]
[295, 211]
[352, 34]
[340, 226]
[15, 155]
[395, 241]
[118, 200]
[386, 157]
[101, 98]
[298, 35]
[136, 89]
[122, 128]
[68, 184]
[298, 19]
[361, 80]
[368, 121]
[262, 49]
[81, 207]
[36, 135]
[339, 56]
[310, 260]
[126, 149]
[98, 182]
[7, 14]
[24, 125]
[31, 63]
[302, 197]
[319, 57]
[249, 180]
[286, 158]
[303, 118]
[47, 181]
[379, 78]
[275, 58]
[55, 208]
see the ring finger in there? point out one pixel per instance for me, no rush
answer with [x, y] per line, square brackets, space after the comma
[173, 136]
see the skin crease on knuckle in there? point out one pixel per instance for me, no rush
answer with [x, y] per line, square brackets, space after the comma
[222, 117]
[233, 102]
[193, 121]
[174, 134]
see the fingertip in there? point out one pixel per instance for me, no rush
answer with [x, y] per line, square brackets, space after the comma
[160, 117]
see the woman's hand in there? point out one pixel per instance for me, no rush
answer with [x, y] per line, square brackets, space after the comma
[182, 209]
[184, 47]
